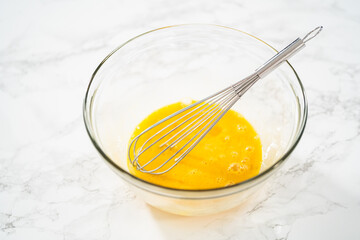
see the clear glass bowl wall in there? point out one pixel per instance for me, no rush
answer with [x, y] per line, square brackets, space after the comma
[182, 63]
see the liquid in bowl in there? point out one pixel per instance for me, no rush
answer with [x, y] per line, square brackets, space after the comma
[230, 153]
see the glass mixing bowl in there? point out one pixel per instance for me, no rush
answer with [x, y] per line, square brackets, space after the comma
[180, 63]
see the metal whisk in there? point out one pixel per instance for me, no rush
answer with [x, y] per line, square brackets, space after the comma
[180, 132]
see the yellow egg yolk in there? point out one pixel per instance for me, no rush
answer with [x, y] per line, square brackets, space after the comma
[230, 153]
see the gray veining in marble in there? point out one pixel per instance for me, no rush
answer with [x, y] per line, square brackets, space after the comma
[53, 185]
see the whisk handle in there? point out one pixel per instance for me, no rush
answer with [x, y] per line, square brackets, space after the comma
[286, 53]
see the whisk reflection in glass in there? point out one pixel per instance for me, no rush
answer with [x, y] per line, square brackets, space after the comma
[181, 131]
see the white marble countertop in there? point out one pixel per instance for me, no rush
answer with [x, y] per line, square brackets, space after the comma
[53, 184]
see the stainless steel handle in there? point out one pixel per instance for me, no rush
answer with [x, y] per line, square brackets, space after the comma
[286, 53]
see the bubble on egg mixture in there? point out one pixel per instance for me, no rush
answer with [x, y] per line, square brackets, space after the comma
[240, 128]
[245, 160]
[249, 149]
[227, 138]
[219, 179]
[237, 167]
[234, 154]
[244, 167]
[234, 167]
[193, 171]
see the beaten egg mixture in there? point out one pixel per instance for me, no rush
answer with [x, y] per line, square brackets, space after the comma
[230, 153]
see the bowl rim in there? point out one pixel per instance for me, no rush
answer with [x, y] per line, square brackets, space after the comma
[267, 172]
